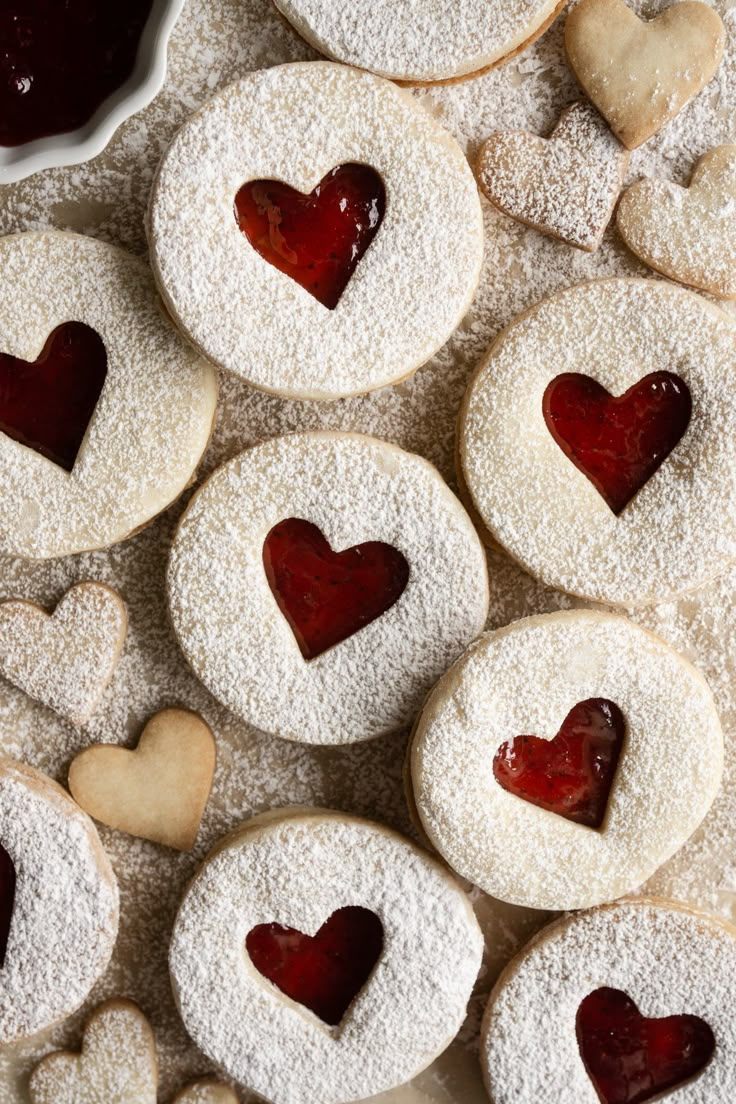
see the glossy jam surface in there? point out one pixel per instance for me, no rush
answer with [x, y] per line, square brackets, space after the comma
[631, 1059]
[572, 774]
[324, 972]
[60, 59]
[617, 442]
[320, 238]
[7, 900]
[327, 596]
[47, 404]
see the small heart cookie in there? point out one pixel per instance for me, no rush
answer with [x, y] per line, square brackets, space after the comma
[688, 234]
[117, 1064]
[206, 1092]
[565, 185]
[66, 659]
[640, 75]
[157, 791]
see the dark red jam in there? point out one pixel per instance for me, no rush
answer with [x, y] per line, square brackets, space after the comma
[60, 59]
[631, 1059]
[572, 774]
[7, 900]
[327, 596]
[324, 972]
[47, 404]
[618, 443]
[320, 238]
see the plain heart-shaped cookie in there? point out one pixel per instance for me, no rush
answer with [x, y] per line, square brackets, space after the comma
[640, 75]
[117, 1064]
[157, 791]
[66, 659]
[565, 185]
[688, 234]
[206, 1092]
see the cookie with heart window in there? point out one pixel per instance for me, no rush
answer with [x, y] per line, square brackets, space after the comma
[320, 583]
[623, 1004]
[290, 212]
[104, 411]
[320, 956]
[597, 441]
[564, 758]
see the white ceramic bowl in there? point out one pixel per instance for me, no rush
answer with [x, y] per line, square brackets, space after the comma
[76, 146]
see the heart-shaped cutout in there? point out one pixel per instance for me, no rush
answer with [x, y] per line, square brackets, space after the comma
[160, 790]
[617, 442]
[638, 74]
[327, 596]
[324, 972]
[572, 774]
[206, 1091]
[48, 403]
[631, 1059]
[318, 239]
[7, 900]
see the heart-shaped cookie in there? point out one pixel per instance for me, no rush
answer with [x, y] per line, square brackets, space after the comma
[631, 1059]
[640, 75]
[117, 1064]
[206, 1092]
[64, 660]
[565, 185]
[688, 234]
[157, 791]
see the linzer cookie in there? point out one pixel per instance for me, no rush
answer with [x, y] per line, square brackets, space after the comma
[564, 758]
[343, 952]
[320, 583]
[688, 234]
[597, 441]
[290, 213]
[621, 1005]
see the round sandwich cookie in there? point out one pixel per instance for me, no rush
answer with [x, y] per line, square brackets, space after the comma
[320, 956]
[620, 1005]
[320, 583]
[315, 231]
[597, 441]
[104, 411]
[564, 758]
[58, 903]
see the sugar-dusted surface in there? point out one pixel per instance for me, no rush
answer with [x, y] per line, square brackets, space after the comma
[216, 42]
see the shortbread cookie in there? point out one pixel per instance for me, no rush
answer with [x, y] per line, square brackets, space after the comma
[320, 583]
[429, 41]
[58, 903]
[319, 956]
[564, 758]
[158, 791]
[206, 1092]
[689, 234]
[269, 196]
[566, 185]
[104, 410]
[598, 441]
[117, 1064]
[624, 1004]
[641, 74]
[64, 660]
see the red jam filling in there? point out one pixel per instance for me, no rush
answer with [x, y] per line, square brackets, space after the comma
[327, 596]
[320, 238]
[47, 404]
[618, 443]
[60, 59]
[631, 1059]
[7, 900]
[572, 774]
[324, 972]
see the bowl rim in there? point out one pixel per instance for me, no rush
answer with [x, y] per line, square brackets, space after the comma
[74, 147]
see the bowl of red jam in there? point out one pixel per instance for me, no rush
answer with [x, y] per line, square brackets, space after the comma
[71, 72]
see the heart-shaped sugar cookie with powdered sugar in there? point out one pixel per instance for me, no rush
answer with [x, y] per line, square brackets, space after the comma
[688, 234]
[641, 74]
[565, 185]
[66, 659]
[117, 1063]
